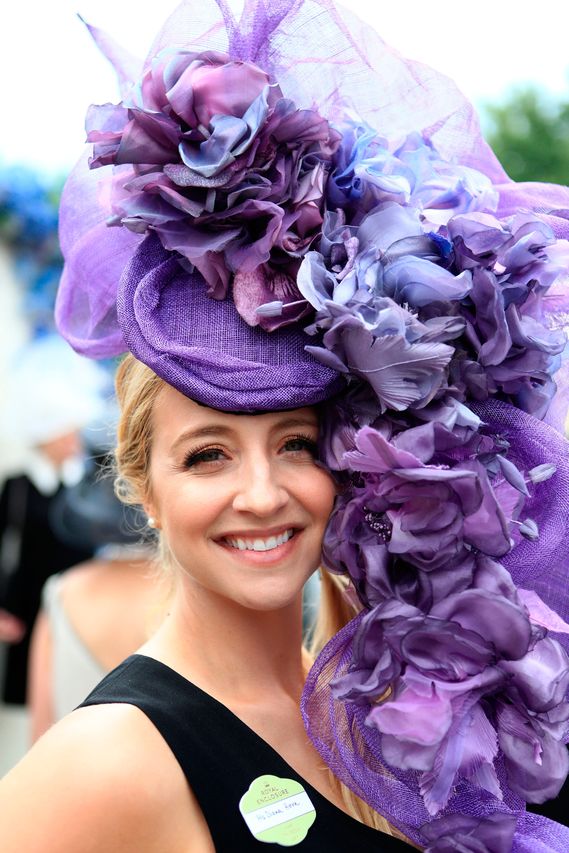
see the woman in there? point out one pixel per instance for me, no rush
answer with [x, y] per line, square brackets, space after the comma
[250, 219]
[242, 505]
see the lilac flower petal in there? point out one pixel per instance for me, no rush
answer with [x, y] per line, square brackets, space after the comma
[419, 282]
[388, 224]
[413, 718]
[481, 233]
[537, 763]
[493, 578]
[471, 741]
[490, 318]
[461, 833]
[314, 281]
[498, 620]
[375, 453]
[437, 649]
[541, 676]
[486, 528]
[540, 613]
[399, 373]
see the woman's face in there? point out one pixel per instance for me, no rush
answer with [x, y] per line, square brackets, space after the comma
[239, 498]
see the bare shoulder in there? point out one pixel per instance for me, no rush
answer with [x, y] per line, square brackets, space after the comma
[102, 779]
[100, 577]
[84, 576]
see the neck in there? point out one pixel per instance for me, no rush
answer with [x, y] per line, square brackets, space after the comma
[226, 648]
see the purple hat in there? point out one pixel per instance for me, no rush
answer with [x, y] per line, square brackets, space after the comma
[205, 349]
[280, 208]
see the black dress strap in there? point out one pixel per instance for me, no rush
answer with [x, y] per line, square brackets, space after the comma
[221, 756]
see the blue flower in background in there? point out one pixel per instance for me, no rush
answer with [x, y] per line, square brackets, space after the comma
[28, 226]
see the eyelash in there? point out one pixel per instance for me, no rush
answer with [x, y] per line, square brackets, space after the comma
[197, 456]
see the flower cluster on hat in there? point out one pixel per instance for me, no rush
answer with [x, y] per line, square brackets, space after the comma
[429, 305]
[230, 174]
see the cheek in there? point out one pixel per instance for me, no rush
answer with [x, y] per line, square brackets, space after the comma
[319, 493]
[188, 509]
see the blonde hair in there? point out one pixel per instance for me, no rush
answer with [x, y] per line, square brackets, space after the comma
[137, 388]
[338, 605]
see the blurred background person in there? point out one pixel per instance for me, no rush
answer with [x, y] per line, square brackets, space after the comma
[97, 613]
[48, 398]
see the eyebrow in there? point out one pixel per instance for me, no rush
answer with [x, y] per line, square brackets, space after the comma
[222, 430]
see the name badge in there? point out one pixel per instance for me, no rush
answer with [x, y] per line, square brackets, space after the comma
[277, 811]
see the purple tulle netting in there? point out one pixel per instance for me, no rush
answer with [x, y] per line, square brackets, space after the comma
[282, 208]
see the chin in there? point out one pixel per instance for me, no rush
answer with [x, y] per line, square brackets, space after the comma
[268, 600]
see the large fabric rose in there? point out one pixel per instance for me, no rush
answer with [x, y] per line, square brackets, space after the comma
[409, 527]
[210, 156]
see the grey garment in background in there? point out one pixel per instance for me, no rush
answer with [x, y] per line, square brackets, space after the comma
[74, 670]
[14, 735]
[310, 602]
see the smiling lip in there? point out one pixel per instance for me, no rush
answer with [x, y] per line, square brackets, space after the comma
[266, 546]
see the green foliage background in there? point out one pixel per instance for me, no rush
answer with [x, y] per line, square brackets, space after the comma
[529, 132]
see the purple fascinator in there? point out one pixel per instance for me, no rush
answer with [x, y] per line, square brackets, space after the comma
[213, 357]
[280, 211]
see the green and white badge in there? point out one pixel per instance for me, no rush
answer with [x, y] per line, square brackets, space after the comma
[277, 811]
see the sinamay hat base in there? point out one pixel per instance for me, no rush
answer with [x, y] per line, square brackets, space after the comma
[214, 358]
[284, 211]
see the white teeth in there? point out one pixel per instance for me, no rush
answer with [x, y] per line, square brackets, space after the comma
[260, 544]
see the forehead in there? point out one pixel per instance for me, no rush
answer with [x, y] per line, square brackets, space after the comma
[174, 415]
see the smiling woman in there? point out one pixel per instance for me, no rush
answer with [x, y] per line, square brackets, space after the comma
[341, 346]
[241, 503]
[239, 499]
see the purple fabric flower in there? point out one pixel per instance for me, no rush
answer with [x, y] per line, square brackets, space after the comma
[446, 638]
[458, 833]
[441, 729]
[213, 158]
[504, 313]
[478, 285]
[436, 513]
[535, 756]
[386, 346]
[427, 676]
[367, 173]
[541, 677]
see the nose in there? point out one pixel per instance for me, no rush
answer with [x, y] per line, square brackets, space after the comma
[260, 490]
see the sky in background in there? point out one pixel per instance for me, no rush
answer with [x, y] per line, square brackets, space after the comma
[51, 71]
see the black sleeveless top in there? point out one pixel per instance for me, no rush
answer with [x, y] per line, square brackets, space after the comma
[221, 756]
